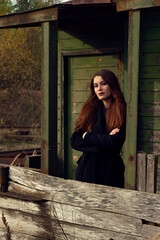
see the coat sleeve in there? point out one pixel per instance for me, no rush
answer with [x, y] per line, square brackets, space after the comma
[78, 143]
[106, 141]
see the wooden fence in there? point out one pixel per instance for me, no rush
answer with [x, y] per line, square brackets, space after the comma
[148, 173]
[37, 206]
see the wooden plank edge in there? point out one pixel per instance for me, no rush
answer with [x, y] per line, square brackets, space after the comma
[52, 229]
[4, 173]
[126, 5]
[29, 18]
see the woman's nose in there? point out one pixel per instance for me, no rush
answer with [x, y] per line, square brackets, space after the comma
[99, 87]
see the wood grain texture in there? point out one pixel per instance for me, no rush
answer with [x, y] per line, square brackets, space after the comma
[39, 206]
[131, 203]
[150, 231]
[75, 215]
[29, 18]
[141, 172]
[151, 173]
[33, 227]
[130, 146]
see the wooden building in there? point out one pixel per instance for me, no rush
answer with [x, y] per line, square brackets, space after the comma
[80, 37]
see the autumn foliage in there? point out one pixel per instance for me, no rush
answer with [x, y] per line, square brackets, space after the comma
[20, 77]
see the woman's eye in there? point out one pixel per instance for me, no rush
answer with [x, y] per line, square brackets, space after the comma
[103, 83]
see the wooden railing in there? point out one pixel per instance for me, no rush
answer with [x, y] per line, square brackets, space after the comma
[38, 206]
[147, 173]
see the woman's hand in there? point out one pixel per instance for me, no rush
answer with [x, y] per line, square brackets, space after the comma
[114, 131]
[84, 134]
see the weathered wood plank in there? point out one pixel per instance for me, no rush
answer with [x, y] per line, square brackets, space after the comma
[151, 173]
[131, 203]
[46, 228]
[149, 97]
[29, 18]
[150, 123]
[75, 215]
[149, 135]
[130, 146]
[81, 44]
[32, 225]
[82, 85]
[150, 147]
[96, 61]
[18, 236]
[92, 51]
[149, 109]
[76, 44]
[141, 172]
[149, 232]
[150, 59]
[80, 96]
[123, 5]
[150, 71]
[151, 84]
[82, 73]
[49, 100]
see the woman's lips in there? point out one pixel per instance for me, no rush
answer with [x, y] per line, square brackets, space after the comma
[100, 94]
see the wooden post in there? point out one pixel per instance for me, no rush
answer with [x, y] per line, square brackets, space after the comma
[4, 172]
[152, 161]
[141, 171]
[130, 147]
[49, 99]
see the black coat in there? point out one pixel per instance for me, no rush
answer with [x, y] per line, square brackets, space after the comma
[100, 162]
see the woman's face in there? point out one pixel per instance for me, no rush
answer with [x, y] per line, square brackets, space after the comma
[101, 88]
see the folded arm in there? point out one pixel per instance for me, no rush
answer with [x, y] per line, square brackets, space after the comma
[106, 141]
[78, 143]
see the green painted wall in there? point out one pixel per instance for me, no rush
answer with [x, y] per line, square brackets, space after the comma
[149, 83]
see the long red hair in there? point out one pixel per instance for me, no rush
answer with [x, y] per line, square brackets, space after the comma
[116, 112]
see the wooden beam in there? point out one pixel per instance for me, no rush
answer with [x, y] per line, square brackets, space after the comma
[82, 2]
[29, 18]
[49, 99]
[130, 147]
[91, 51]
[32, 185]
[125, 5]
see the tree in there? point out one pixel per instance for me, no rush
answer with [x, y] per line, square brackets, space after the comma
[6, 7]
[20, 77]
[20, 58]
[27, 5]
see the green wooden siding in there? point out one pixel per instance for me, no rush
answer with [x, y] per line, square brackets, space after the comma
[149, 83]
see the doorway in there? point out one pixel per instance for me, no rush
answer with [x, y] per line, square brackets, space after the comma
[79, 72]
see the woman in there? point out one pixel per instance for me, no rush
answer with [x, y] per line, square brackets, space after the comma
[100, 132]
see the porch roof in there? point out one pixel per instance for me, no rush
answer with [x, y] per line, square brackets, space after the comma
[52, 13]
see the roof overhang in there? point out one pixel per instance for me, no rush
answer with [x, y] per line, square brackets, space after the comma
[126, 5]
[52, 13]
[33, 18]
